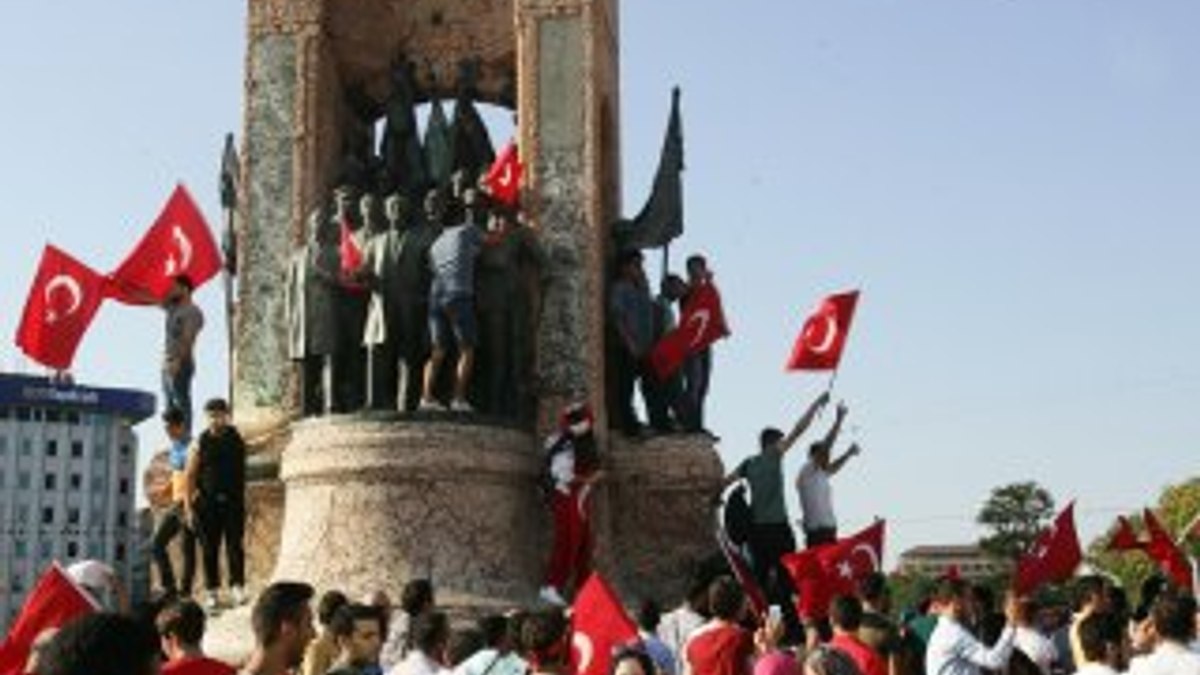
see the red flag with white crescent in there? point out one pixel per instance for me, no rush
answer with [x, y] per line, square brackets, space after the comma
[54, 601]
[1053, 557]
[827, 570]
[599, 626]
[503, 179]
[823, 337]
[179, 242]
[62, 302]
[702, 323]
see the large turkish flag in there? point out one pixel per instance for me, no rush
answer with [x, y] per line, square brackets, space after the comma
[503, 179]
[821, 340]
[178, 243]
[1053, 557]
[701, 324]
[828, 570]
[53, 602]
[62, 301]
[599, 625]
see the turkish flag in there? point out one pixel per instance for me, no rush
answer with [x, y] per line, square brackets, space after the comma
[828, 570]
[701, 324]
[1053, 557]
[821, 340]
[62, 301]
[53, 602]
[599, 626]
[178, 243]
[741, 572]
[1166, 553]
[503, 180]
[1124, 538]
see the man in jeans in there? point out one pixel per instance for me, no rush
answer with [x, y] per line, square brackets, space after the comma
[216, 476]
[173, 521]
[184, 320]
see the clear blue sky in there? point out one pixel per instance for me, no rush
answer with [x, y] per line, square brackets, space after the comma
[1015, 185]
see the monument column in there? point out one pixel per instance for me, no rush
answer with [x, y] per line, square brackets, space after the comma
[567, 57]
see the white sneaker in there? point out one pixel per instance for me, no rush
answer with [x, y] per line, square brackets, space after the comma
[550, 595]
[210, 601]
[429, 405]
[461, 406]
[237, 595]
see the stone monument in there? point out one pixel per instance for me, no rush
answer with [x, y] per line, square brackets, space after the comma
[367, 500]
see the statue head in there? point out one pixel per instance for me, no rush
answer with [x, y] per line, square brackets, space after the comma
[434, 207]
[343, 205]
[369, 211]
[395, 208]
[319, 225]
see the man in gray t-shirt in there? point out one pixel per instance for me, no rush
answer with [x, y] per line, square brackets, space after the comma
[184, 320]
[452, 302]
[771, 534]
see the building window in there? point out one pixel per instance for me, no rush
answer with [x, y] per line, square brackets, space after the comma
[97, 517]
[45, 549]
[53, 416]
[97, 483]
[52, 448]
[72, 516]
[95, 549]
[20, 548]
[101, 450]
[47, 515]
[22, 414]
[124, 450]
[122, 519]
[50, 481]
[72, 549]
[123, 486]
[17, 584]
[26, 446]
[22, 514]
[72, 417]
[76, 481]
[77, 449]
[5, 413]
[23, 480]
[120, 553]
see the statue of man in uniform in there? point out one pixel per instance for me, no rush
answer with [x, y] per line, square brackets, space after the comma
[311, 305]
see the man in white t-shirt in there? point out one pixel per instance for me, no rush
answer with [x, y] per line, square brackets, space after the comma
[816, 495]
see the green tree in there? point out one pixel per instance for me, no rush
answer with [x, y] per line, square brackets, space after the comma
[1014, 515]
[1176, 507]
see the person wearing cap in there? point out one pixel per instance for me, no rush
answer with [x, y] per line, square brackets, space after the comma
[573, 469]
[216, 479]
[184, 321]
[173, 521]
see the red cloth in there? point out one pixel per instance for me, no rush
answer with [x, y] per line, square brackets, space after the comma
[1124, 538]
[1054, 555]
[571, 557]
[869, 661]
[827, 570]
[701, 324]
[1166, 553]
[62, 302]
[201, 665]
[720, 648]
[503, 179]
[741, 572]
[179, 242]
[821, 340]
[599, 626]
[54, 601]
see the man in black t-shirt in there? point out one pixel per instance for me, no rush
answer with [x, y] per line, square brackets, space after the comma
[216, 479]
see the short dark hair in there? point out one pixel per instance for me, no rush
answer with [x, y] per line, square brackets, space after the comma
[185, 281]
[768, 437]
[1097, 632]
[949, 589]
[542, 636]
[281, 602]
[173, 416]
[695, 259]
[101, 643]
[637, 654]
[349, 614]
[462, 644]
[873, 587]
[1087, 587]
[1174, 615]
[648, 615]
[725, 598]
[216, 405]
[494, 629]
[416, 597]
[430, 632]
[846, 612]
[182, 619]
[329, 604]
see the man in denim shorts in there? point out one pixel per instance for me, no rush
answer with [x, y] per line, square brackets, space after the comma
[452, 303]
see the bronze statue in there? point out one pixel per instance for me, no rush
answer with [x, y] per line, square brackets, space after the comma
[381, 260]
[310, 302]
[511, 263]
[471, 144]
[403, 161]
[412, 290]
[439, 153]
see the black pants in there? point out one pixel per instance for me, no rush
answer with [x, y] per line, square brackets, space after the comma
[768, 543]
[819, 535]
[171, 525]
[630, 374]
[221, 519]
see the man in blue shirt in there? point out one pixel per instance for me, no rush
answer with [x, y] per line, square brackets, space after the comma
[173, 522]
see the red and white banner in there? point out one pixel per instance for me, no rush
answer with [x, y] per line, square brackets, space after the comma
[599, 626]
[62, 302]
[823, 337]
[701, 324]
[823, 572]
[503, 179]
[53, 602]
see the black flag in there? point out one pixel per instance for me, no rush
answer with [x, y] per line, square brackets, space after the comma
[661, 219]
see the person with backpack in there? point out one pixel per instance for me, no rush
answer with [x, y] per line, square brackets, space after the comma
[571, 469]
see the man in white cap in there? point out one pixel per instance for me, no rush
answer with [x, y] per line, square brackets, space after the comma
[572, 468]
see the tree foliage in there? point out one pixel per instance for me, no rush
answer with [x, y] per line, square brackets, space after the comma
[1176, 507]
[1014, 515]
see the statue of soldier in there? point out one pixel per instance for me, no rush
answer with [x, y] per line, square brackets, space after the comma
[403, 159]
[412, 289]
[511, 262]
[352, 307]
[470, 143]
[311, 298]
[381, 262]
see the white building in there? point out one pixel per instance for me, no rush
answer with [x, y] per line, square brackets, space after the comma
[68, 458]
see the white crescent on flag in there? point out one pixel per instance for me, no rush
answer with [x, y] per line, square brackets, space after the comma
[702, 316]
[583, 643]
[71, 284]
[827, 336]
[871, 555]
[506, 178]
[183, 246]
